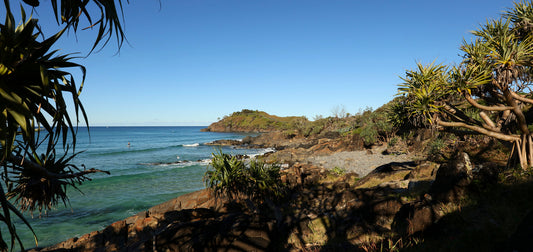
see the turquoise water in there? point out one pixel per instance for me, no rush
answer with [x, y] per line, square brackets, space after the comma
[160, 163]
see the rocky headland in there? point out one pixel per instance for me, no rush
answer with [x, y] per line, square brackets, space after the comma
[342, 194]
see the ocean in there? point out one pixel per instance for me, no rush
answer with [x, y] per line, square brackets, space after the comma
[148, 165]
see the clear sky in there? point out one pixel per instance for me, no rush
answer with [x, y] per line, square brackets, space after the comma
[192, 62]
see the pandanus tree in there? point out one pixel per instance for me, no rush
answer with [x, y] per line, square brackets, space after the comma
[489, 92]
[37, 132]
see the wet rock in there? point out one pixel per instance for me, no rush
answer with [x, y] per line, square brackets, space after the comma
[225, 143]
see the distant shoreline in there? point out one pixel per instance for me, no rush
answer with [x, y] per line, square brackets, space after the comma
[141, 126]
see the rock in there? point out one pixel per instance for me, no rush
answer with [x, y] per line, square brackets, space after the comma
[414, 218]
[424, 170]
[116, 235]
[225, 143]
[452, 179]
[487, 173]
[395, 185]
[419, 185]
[136, 233]
[385, 211]
[332, 135]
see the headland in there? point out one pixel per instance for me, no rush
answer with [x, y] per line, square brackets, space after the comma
[345, 191]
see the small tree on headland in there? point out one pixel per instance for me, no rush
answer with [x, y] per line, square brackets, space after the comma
[489, 92]
[36, 130]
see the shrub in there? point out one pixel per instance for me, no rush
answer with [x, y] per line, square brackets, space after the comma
[238, 180]
[227, 176]
[393, 141]
[374, 126]
[369, 133]
[339, 171]
[436, 146]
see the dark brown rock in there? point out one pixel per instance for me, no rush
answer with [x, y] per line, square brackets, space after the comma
[226, 143]
[452, 179]
[414, 218]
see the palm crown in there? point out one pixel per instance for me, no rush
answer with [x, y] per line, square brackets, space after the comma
[36, 129]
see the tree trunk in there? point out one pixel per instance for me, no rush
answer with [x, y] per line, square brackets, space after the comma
[522, 152]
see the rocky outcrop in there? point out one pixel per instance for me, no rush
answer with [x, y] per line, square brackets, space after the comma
[225, 142]
[138, 232]
[321, 211]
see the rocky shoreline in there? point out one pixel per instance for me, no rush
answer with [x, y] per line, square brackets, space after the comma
[342, 196]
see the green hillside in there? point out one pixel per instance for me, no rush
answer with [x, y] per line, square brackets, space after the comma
[254, 121]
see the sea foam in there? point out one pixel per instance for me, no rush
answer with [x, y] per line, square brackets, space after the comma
[191, 145]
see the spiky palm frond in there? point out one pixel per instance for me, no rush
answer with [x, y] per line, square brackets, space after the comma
[232, 177]
[505, 53]
[423, 88]
[227, 175]
[468, 78]
[36, 191]
[522, 17]
[35, 86]
[31, 90]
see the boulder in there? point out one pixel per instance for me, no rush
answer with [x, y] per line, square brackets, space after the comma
[414, 218]
[452, 179]
[400, 185]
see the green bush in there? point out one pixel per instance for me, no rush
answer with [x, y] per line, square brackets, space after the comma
[436, 146]
[369, 133]
[393, 141]
[227, 176]
[339, 171]
[239, 180]
[373, 126]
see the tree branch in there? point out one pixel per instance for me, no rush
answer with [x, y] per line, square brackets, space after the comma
[503, 118]
[487, 120]
[522, 123]
[481, 130]
[521, 98]
[483, 107]
[460, 115]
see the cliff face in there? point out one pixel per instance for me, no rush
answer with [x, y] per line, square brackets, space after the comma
[253, 121]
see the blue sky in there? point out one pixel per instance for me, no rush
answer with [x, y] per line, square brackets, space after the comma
[192, 62]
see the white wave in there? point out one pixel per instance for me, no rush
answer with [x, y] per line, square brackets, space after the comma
[204, 161]
[262, 152]
[191, 145]
[179, 164]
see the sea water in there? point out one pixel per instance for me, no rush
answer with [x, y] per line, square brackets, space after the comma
[148, 166]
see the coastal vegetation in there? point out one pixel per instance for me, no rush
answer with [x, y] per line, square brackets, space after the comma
[374, 126]
[254, 121]
[239, 179]
[37, 128]
[455, 194]
[480, 108]
[489, 91]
